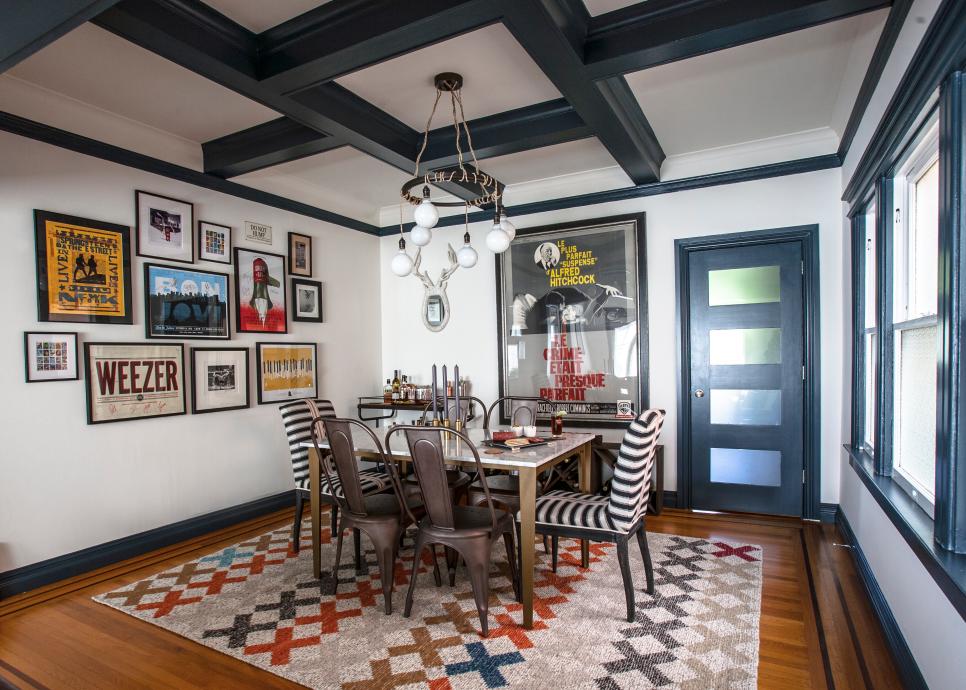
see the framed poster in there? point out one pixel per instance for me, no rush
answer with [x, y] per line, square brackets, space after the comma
[165, 227]
[299, 254]
[259, 292]
[286, 371]
[219, 379]
[572, 319]
[306, 300]
[214, 242]
[128, 381]
[83, 269]
[185, 303]
[50, 356]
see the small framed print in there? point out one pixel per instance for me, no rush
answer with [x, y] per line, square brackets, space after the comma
[185, 303]
[127, 381]
[165, 227]
[299, 255]
[214, 242]
[50, 356]
[260, 305]
[306, 300]
[286, 371]
[219, 379]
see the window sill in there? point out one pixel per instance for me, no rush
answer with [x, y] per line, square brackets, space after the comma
[947, 569]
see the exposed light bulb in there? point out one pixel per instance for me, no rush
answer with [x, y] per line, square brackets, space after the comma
[426, 214]
[401, 264]
[497, 240]
[420, 236]
[466, 256]
[508, 227]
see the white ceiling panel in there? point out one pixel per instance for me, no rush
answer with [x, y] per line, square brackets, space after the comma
[259, 15]
[498, 76]
[98, 68]
[596, 7]
[781, 85]
[549, 161]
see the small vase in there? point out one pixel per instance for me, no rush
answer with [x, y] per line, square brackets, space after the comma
[556, 426]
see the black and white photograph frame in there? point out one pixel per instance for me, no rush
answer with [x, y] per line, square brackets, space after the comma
[214, 242]
[286, 371]
[165, 227]
[307, 300]
[299, 255]
[50, 356]
[219, 379]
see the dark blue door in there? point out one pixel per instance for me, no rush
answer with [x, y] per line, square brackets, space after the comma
[745, 316]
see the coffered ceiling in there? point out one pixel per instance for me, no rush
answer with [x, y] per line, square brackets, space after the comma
[324, 102]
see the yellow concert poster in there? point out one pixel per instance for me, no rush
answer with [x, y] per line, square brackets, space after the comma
[83, 270]
[286, 371]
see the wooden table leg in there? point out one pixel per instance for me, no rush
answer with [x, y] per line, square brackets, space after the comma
[315, 508]
[585, 455]
[528, 501]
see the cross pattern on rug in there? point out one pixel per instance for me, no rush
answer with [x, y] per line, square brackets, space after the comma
[257, 601]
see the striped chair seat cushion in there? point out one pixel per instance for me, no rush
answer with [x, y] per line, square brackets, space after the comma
[569, 509]
[373, 481]
[297, 418]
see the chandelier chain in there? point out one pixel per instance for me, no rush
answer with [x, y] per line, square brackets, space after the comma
[429, 123]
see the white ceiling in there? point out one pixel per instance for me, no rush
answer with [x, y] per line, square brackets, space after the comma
[789, 83]
[550, 161]
[103, 70]
[498, 75]
[259, 15]
[596, 7]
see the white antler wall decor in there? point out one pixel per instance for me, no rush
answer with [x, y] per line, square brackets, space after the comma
[435, 307]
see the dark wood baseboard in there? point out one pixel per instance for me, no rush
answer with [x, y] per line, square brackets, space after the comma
[827, 512]
[51, 570]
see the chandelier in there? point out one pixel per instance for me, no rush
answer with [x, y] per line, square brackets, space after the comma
[426, 212]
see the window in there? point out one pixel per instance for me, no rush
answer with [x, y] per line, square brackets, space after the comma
[869, 354]
[914, 331]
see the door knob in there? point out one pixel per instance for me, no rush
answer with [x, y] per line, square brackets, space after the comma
[699, 393]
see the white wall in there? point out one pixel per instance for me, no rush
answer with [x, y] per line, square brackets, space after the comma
[65, 485]
[470, 336]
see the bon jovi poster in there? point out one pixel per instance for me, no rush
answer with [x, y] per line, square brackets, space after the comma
[128, 381]
[185, 303]
[573, 319]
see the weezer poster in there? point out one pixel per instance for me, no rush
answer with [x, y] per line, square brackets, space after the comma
[573, 319]
[133, 381]
[83, 270]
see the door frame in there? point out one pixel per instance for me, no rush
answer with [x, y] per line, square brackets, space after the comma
[807, 236]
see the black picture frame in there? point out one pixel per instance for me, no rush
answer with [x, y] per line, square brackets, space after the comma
[228, 242]
[45, 291]
[195, 351]
[636, 264]
[296, 283]
[293, 266]
[27, 354]
[185, 334]
[242, 325]
[259, 366]
[188, 227]
[92, 379]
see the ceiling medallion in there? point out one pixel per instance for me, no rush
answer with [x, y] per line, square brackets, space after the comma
[426, 213]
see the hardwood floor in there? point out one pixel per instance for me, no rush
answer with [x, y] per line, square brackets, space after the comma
[817, 627]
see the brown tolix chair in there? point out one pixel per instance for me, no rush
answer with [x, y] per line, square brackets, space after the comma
[468, 530]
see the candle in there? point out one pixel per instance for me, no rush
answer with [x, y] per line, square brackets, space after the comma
[434, 392]
[456, 388]
[445, 395]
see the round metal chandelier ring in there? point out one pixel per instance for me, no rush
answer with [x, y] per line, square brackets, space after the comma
[487, 185]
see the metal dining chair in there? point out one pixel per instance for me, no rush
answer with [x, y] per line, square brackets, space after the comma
[615, 518]
[466, 410]
[470, 531]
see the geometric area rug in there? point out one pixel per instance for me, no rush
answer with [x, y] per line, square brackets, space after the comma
[257, 601]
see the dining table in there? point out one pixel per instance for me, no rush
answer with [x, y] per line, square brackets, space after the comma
[528, 462]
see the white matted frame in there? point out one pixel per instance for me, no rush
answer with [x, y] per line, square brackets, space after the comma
[214, 242]
[165, 227]
[219, 379]
[50, 356]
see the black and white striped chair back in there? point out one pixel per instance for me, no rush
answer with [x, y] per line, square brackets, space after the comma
[631, 485]
[297, 417]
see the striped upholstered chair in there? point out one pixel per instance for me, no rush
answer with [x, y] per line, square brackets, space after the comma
[615, 518]
[297, 417]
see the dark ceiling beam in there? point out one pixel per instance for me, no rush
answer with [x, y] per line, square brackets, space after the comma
[344, 36]
[660, 31]
[262, 146]
[552, 32]
[29, 26]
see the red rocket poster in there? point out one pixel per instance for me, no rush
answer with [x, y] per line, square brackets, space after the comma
[260, 292]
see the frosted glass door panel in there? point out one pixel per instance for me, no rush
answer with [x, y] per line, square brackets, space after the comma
[752, 407]
[755, 285]
[746, 346]
[743, 466]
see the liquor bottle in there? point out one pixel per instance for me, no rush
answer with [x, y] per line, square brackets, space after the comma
[404, 388]
[387, 392]
[395, 386]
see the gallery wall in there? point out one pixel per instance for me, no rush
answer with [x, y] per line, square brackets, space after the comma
[470, 336]
[65, 485]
